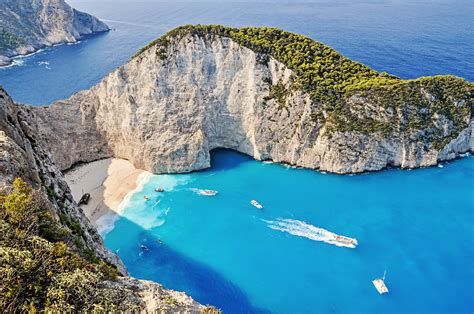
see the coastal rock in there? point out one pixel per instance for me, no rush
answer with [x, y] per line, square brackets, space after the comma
[23, 156]
[27, 25]
[171, 105]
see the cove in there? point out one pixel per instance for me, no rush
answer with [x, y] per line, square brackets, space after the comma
[417, 225]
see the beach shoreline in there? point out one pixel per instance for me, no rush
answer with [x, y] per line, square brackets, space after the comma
[109, 182]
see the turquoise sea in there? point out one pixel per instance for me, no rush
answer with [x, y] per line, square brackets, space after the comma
[417, 225]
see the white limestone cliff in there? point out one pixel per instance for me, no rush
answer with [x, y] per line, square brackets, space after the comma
[166, 114]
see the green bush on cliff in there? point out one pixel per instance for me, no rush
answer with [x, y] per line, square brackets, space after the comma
[43, 270]
[8, 40]
[319, 67]
[332, 80]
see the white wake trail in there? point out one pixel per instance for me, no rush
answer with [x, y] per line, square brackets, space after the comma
[302, 229]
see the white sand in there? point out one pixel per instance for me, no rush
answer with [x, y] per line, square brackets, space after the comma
[108, 181]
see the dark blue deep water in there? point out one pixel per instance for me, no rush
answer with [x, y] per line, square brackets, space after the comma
[403, 37]
[418, 225]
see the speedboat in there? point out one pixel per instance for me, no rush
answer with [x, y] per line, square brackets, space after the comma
[345, 240]
[146, 198]
[208, 192]
[256, 204]
[160, 190]
[205, 192]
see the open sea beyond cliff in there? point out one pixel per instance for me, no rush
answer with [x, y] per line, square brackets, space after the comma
[402, 37]
[418, 225]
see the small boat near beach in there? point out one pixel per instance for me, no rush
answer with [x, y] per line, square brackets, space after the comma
[146, 198]
[380, 284]
[159, 190]
[256, 204]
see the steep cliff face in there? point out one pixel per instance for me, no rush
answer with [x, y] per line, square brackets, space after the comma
[27, 25]
[22, 155]
[192, 91]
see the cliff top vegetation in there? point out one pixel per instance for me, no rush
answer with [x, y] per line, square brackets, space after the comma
[330, 79]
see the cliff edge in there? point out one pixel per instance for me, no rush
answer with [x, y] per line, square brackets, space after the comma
[27, 25]
[51, 257]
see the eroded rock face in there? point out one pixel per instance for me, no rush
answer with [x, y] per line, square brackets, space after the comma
[27, 25]
[22, 155]
[165, 114]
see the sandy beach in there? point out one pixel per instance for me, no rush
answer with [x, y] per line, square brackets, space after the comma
[108, 181]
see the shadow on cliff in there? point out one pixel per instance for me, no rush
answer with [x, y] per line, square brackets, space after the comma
[224, 159]
[149, 258]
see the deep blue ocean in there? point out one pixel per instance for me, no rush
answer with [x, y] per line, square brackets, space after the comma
[408, 38]
[417, 225]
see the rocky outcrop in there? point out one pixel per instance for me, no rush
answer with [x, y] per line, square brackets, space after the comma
[170, 106]
[23, 155]
[27, 25]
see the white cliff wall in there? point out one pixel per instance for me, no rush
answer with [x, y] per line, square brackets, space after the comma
[166, 115]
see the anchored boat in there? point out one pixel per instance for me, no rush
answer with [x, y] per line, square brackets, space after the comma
[380, 284]
[256, 204]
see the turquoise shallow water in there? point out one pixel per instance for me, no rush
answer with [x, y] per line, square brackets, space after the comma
[418, 225]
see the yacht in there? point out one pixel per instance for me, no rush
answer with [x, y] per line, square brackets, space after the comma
[380, 284]
[256, 204]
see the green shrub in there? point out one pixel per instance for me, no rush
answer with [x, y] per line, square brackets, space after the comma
[332, 81]
[39, 269]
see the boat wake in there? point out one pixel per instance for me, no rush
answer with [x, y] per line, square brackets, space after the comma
[204, 192]
[302, 229]
[131, 24]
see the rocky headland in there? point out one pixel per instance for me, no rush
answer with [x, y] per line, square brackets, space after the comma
[264, 92]
[27, 26]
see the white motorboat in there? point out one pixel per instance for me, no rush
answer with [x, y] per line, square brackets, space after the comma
[256, 204]
[205, 192]
[302, 229]
[208, 192]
